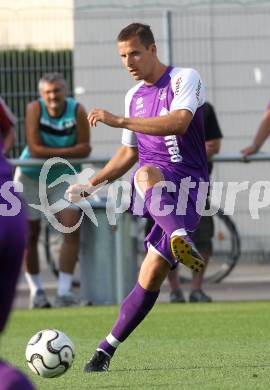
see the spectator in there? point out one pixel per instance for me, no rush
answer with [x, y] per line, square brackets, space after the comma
[12, 242]
[56, 126]
[261, 135]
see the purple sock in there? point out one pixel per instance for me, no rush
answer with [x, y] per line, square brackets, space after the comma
[133, 310]
[12, 379]
[169, 223]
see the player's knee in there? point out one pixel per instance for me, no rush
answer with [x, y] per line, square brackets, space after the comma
[147, 176]
[147, 171]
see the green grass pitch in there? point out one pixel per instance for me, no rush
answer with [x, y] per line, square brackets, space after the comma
[189, 346]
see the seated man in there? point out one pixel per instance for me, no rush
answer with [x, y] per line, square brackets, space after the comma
[56, 126]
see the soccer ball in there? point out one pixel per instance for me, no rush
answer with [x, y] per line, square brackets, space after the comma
[49, 353]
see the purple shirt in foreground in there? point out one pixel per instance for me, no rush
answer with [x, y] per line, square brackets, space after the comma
[183, 155]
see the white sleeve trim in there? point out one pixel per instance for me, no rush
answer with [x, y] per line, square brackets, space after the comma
[188, 88]
[129, 137]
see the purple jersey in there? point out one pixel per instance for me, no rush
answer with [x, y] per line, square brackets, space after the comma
[184, 155]
[12, 238]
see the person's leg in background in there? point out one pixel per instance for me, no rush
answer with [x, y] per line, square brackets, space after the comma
[38, 298]
[176, 293]
[68, 257]
[202, 238]
[69, 251]
[67, 216]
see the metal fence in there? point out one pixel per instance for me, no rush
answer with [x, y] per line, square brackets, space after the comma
[248, 217]
[35, 38]
[225, 40]
[20, 73]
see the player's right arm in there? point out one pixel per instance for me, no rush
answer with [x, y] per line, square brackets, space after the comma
[119, 164]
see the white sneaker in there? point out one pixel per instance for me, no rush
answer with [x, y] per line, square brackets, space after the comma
[39, 300]
[69, 299]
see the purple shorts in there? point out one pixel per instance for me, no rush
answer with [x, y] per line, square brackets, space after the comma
[157, 239]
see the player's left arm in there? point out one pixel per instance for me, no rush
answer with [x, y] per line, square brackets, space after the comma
[175, 122]
[186, 100]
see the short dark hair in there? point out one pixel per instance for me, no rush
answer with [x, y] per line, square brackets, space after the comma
[143, 31]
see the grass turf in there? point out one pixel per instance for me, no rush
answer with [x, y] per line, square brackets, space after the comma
[189, 346]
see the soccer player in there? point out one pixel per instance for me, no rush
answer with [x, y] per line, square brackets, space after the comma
[12, 242]
[56, 126]
[163, 129]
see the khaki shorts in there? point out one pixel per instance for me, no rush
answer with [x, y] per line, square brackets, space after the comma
[30, 194]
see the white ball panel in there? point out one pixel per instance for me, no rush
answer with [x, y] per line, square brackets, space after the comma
[66, 355]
